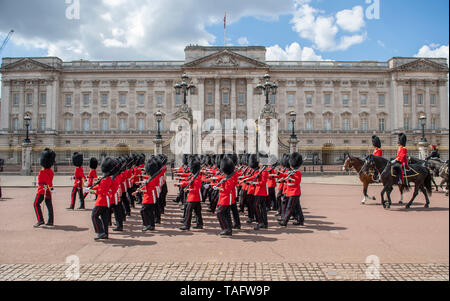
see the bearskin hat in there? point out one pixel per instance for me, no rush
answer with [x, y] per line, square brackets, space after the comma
[263, 158]
[195, 166]
[253, 161]
[108, 166]
[152, 167]
[285, 161]
[227, 166]
[233, 158]
[295, 160]
[77, 159]
[47, 158]
[185, 159]
[93, 163]
[273, 161]
[402, 139]
[376, 142]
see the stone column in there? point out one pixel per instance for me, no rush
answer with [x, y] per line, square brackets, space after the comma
[26, 159]
[293, 145]
[233, 99]
[5, 107]
[36, 116]
[443, 104]
[413, 105]
[158, 146]
[22, 105]
[423, 149]
[217, 100]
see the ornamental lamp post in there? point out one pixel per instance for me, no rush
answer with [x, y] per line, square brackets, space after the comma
[27, 120]
[268, 88]
[423, 122]
[184, 87]
[158, 117]
[293, 116]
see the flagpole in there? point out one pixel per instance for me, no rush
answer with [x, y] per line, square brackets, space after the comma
[225, 30]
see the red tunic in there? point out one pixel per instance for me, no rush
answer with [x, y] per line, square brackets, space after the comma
[293, 187]
[228, 195]
[402, 156]
[272, 182]
[378, 152]
[103, 190]
[150, 194]
[45, 182]
[79, 176]
[194, 193]
[260, 189]
[92, 175]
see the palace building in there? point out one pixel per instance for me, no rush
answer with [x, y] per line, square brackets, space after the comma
[107, 107]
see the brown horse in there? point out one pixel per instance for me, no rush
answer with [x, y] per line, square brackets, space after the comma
[366, 179]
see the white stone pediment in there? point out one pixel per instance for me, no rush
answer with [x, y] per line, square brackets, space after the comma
[421, 65]
[225, 59]
[27, 64]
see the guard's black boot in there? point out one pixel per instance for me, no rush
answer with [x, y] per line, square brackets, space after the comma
[226, 233]
[184, 228]
[282, 223]
[298, 223]
[238, 227]
[198, 227]
[118, 229]
[38, 224]
[101, 236]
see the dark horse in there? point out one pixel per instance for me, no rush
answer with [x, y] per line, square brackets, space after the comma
[434, 165]
[422, 180]
[366, 179]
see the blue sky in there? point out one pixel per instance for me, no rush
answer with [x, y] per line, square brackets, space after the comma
[151, 30]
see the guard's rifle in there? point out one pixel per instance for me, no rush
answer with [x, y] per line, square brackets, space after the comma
[222, 182]
[149, 180]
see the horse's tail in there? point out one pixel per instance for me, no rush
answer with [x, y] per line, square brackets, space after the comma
[427, 184]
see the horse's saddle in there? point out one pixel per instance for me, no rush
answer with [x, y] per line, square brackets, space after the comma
[410, 172]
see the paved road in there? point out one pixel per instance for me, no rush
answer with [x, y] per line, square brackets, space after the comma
[338, 233]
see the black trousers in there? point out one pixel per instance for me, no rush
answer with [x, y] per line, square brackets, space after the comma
[224, 216]
[272, 199]
[148, 214]
[74, 196]
[214, 200]
[251, 206]
[100, 218]
[294, 208]
[235, 213]
[243, 201]
[197, 208]
[284, 203]
[261, 209]
[130, 195]
[139, 198]
[37, 208]
[279, 201]
[119, 213]
[125, 203]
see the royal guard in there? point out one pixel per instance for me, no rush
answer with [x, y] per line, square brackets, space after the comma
[45, 188]
[253, 164]
[152, 169]
[400, 162]
[376, 142]
[259, 182]
[227, 197]
[92, 176]
[434, 153]
[102, 189]
[116, 204]
[194, 198]
[79, 178]
[272, 203]
[293, 192]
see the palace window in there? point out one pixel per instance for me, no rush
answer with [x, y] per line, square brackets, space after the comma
[29, 99]
[225, 98]
[177, 99]
[86, 124]
[42, 123]
[104, 124]
[346, 124]
[68, 100]
[86, 100]
[123, 99]
[43, 99]
[381, 100]
[309, 99]
[291, 100]
[309, 124]
[433, 99]
[434, 123]
[406, 99]
[159, 99]
[104, 99]
[68, 124]
[381, 124]
[15, 124]
[327, 99]
[407, 123]
[141, 124]
[363, 99]
[123, 124]
[327, 126]
[420, 99]
[209, 99]
[364, 124]
[241, 98]
[345, 99]
[272, 99]
[16, 99]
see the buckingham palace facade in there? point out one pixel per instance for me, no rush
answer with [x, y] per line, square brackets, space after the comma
[106, 107]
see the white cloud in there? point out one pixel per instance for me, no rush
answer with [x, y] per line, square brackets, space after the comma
[243, 41]
[434, 51]
[351, 20]
[312, 24]
[293, 52]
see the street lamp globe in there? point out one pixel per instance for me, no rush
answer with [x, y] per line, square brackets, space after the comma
[423, 120]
